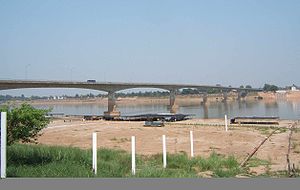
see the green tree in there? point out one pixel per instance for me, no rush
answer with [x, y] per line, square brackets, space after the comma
[213, 91]
[248, 86]
[24, 122]
[269, 87]
[189, 91]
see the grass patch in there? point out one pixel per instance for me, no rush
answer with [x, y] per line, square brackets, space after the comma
[296, 130]
[220, 165]
[282, 130]
[264, 130]
[294, 145]
[53, 161]
[124, 140]
[45, 161]
[121, 140]
[254, 162]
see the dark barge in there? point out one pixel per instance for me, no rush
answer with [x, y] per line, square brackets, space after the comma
[255, 120]
[153, 117]
[141, 117]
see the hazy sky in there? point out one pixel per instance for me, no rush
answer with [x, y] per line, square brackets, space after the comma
[198, 42]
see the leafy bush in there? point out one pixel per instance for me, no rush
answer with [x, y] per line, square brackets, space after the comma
[24, 122]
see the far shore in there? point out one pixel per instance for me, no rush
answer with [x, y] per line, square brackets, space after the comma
[164, 100]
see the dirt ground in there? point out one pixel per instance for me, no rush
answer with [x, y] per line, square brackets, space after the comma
[209, 136]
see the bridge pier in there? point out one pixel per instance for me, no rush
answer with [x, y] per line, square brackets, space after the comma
[241, 94]
[225, 96]
[204, 104]
[204, 98]
[111, 106]
[173, 107]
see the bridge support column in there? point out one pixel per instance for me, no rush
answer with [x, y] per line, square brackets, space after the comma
[204, 98]
[225, 96]
[204, 104]
[112, 111]
[173, 107]
[239, 95]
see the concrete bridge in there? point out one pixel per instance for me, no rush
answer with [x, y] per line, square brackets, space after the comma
[112, 87]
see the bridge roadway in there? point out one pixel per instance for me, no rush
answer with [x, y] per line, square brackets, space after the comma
[112, 87]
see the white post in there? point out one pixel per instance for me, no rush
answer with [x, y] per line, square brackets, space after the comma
[133, 155]
[95, 153]
[192, 143]
[226, 127]
[3, 144]
[164, 151]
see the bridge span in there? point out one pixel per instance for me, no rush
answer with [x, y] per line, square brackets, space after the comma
[112, 87]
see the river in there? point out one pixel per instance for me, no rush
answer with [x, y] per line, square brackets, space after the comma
[281, 108]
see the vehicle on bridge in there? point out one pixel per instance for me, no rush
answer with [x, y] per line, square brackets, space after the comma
[91, 80]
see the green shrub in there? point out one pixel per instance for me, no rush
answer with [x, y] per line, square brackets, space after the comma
[24, 122]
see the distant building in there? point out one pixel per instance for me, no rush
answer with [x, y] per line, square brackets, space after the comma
[281, 91]
[294, 88]
[60, 97]
[56, 98]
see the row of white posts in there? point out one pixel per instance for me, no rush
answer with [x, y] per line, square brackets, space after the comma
[133, 163]
[94, 148]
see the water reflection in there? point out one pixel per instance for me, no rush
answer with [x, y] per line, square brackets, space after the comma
[271, 105]
[225, 107]
[283, 109]
[240, 104]
[205, 111]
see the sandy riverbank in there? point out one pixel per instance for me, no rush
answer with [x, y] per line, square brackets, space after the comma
[288, 95]
[180, 100]
[209, 136]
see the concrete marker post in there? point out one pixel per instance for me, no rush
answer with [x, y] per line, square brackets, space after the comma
[226, 127]
[95, 153]
[133, 155]
[164, 151]
[192, 144]
[3, 144]
[93, 157]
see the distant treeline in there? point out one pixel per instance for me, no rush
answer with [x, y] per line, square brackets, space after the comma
[22, 97]
[118, 94]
